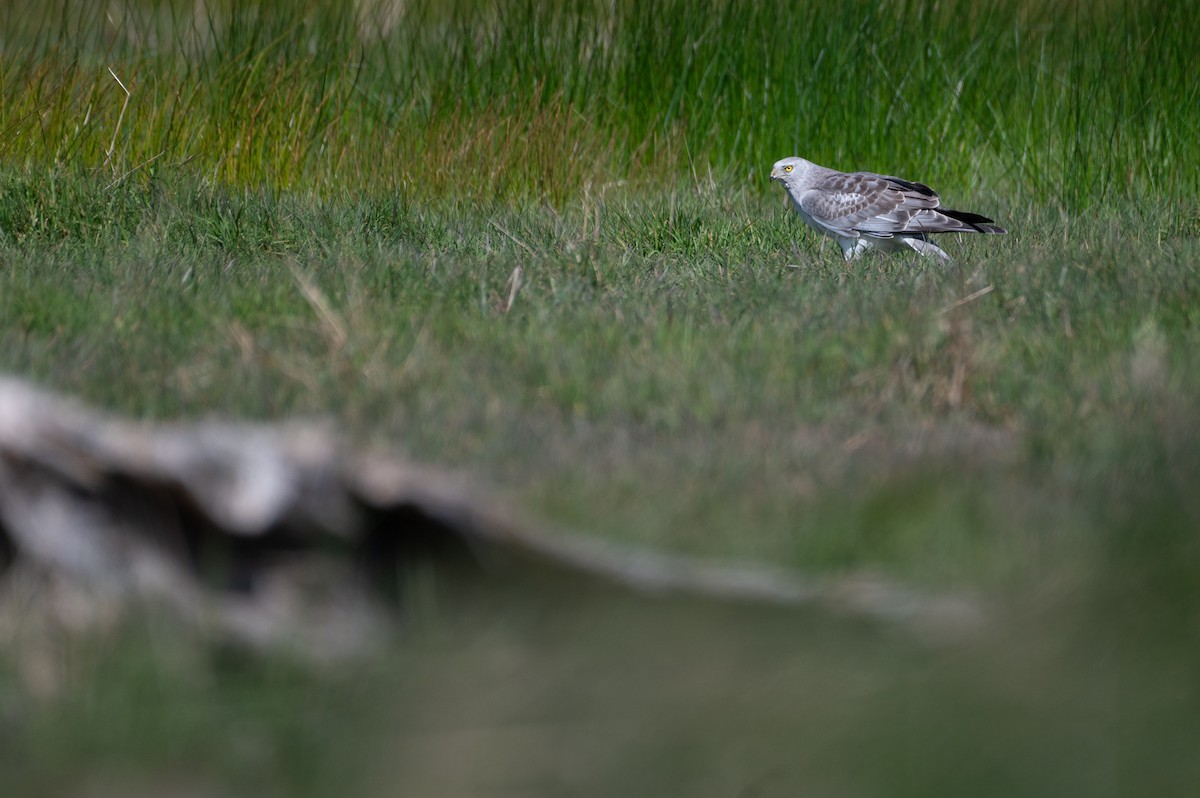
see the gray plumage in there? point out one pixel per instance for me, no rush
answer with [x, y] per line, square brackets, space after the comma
[863, 210]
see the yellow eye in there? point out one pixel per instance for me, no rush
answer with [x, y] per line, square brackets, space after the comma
[787, 168]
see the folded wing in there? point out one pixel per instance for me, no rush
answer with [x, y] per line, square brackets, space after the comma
[864, 203]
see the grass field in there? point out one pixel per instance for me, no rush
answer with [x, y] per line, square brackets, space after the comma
[538, 244]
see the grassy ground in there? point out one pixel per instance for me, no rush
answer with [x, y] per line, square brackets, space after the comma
[540, 246]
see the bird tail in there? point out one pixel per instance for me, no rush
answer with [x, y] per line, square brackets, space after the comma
[980, 224]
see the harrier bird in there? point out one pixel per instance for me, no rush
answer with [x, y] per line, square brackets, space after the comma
[863, 210]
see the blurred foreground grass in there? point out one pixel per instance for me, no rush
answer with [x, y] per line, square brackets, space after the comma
[556, 689]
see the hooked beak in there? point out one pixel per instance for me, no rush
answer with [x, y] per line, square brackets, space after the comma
[775, 173]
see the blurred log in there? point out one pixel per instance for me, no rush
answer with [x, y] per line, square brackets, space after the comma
[280, 534]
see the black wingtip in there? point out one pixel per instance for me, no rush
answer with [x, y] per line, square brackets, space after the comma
[975, 221]
[909, 185]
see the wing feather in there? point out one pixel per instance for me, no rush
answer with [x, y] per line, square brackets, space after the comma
[864, 203]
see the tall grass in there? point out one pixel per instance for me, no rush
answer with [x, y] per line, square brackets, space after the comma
[1070, 104]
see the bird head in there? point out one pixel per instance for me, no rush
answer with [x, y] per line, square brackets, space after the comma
[787, 169]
